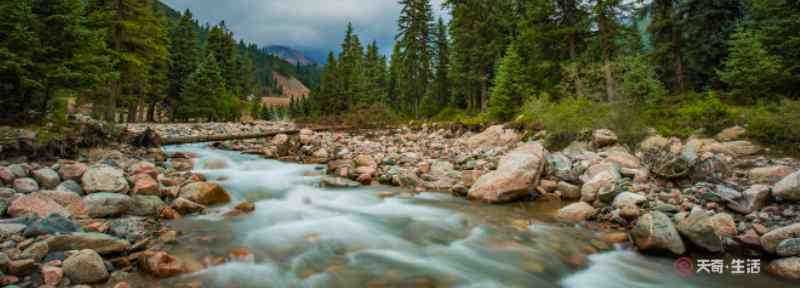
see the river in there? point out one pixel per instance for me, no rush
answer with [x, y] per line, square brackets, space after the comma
[303, 235]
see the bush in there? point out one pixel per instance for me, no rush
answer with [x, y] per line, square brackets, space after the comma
[566, 119]
[776, 124]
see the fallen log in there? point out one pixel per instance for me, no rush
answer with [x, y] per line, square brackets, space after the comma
[217, 138]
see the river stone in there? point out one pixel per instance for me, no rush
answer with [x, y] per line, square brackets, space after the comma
[205, 193]
[36, 251]
[70, 200]
[599, 178]
[103, 205]
[185, 206]
[771, 240]
[628, 199]
[517, 173]
[705, 230]
[146, 185]
[36, 203]
[576, 212]
[160, 264]
[568, 191]
[6, 176]
[788, 247]
[786, 268]
[47, 178]
[603, 137]
[492, 137]
[654, 231]
[752, 199]
[788, 188]
[770, 174]
[104, 178]
[52, 275]
[8, 229]
[624, 159]
[560, 167]
[132, 229]
[146, 206]
[338, 182]
[72, 171]
[52, 225]
[85, 267]
[71, 186]
[25, 185]
[102, 243]
[20, 170]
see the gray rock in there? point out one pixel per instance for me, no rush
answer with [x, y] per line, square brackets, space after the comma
[628, 199]
[7, 229]
[786, 268]
[654, 231]
[788, 188]
[85, 267]
[102, 243]
[25, 185]
[603, 177]
[788, 247]
[71, 186]
[6, 176]
[47, 178]
[104, 178]
[19, 170]
[101, 205]
[133, 229]
[771, 240]
[52, 225]
[517, 172]
[146, 206]
[338, 182]
[576, 212]
[752, 199]
[36, 251]
[186, 206]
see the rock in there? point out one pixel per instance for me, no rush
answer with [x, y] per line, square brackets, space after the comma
[654, 143]
[568, 191]
[182, 164]
[492, 137]
[8, 229]
[788, 247]
[36, 251]
[706, 231]
[72, 170]
[70, 200]
[560, 167]
[752, 199]
[36, 203]
[20, 170]
[160, 264]
[600, 179]
[517, 173]
[133, 229]
[25, 185]
[21, 267]
[47, 178]
[52, 275]
[70, 186]
[576, 212]
[241, 254]
[771, 240]
[102, 243]
[654, 231]
[52, 225]
[6, 176]
[788, 188]
[603, 137]
[104, 178]
[146, 206]
[146, 185]
[215, 164]
[246, 207]
[736, 148]
[205, 193]
[786, 268]
[338, 182]
[85, 267]
[144, 168]
[363, 160]
[770, 174]
[732, 133]
[185, 206]
[628, 199]
[101, 205]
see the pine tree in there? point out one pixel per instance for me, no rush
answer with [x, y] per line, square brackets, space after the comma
[707, 26]
[221, 42]
[184, 55]
[667, 41]
[441, 82]
[18, 44]
[750, 70]
[375, 76]
[778, 24]
[414, 40]
[510, 86]
[204, 94]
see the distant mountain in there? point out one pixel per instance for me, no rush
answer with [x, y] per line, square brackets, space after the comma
[290, 55]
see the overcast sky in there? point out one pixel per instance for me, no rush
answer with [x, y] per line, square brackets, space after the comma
[315, 25]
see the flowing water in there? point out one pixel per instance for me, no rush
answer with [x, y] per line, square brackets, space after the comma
[306, 236]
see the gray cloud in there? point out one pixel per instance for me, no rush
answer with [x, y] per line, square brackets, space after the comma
[316, 25]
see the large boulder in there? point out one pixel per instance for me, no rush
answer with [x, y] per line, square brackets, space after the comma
[102, 205]
[517, 174]
[771, 240]
[47, 178]
[72, 170]
[788, 247]
[654, 231]
[602, 179]
[85, 267]
[706, 230]
[205, 193]
[102, 243]
[184, 206]
[70, 200]
[52, 225]
[786, 268]
[788, 188]
[104, 178]
[752, 199]
[492, 137]
[770, 174]
[36, 203]
[576, 212]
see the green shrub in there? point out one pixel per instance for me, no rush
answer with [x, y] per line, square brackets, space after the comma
[566, 119]
[708, 113]
[776, 124]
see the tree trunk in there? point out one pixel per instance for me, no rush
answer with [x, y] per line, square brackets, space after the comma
[116, 85]
[484, 91]
[573, 54]
[151, 112]
[602, 27]
[678, 60]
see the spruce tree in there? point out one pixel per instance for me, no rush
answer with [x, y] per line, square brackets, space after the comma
[441, 82]
[707, 27]
[414, 41]
[375, 74]
[18, 44]
[184, 57]
[750, 70]
[667, 41]
[204, 93]
[510, 86]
